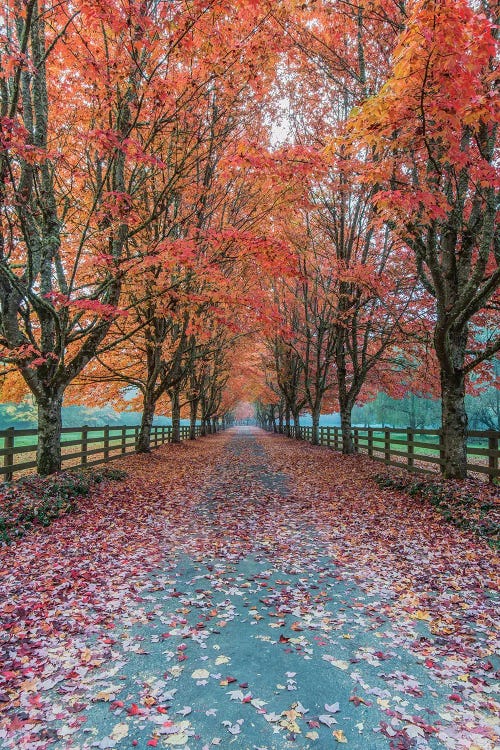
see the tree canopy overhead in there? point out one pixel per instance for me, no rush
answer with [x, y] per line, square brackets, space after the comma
[206, 204]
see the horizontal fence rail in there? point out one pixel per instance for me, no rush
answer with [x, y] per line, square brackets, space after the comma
[410, 448]
[83, 446]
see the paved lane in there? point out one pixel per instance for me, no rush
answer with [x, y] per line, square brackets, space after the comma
[257, 630]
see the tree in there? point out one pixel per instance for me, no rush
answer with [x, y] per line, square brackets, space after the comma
[82, 99]
[434, 130]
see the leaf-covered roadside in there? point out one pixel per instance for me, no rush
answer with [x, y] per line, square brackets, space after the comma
[469, 504]
[37, 501]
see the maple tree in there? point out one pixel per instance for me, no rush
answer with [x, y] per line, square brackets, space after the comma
[434, 129]
[354, 288]
[76, 161]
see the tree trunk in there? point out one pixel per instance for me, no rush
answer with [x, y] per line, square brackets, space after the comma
[450, 348]
[287, 421]
[144, 440]
[345, 422]
[315, 427]
[454, 425]
[214, 425]
[296, 421]
[193, 411]
[48, 454]
[176, 416]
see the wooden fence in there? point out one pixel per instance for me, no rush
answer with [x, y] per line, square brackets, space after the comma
[412, 448]
[83, 446]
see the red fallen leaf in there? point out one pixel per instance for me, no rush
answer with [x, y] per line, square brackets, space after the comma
[357, 700]
[117, 704]
[243, 685]
[153, 742]
[134, 710]
[247, 699]
[16, 724]
[230, 680]
[283, 639]
[9, 675]
[455, 697]
[380, 655]
[429, 663]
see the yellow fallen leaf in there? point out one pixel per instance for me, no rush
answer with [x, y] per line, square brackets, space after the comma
[200, 674]
[339, 663]
[177, 739]
[340, 736]
[222, 660]
[312, 735]
[422, 614]
[86, 655]
[29, 686]
[107, 694]
[119, 732]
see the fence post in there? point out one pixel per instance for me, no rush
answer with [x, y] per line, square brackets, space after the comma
[106, 442]
[493, 457]
[411, 448]
[328, 436]
[441, 450]
[356, 440]
[387, 446]
[124, 439]
[336, 438]
[85, 438]
[8, 459]
[136, 435]
[370, 441]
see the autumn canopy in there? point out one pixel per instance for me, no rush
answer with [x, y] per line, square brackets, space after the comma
[209, 204]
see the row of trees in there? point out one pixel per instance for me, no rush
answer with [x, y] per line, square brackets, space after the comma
[156, 243]
[396, 244]
[127, 215]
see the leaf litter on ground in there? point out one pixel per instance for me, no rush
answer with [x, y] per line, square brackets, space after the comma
[213, 599]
